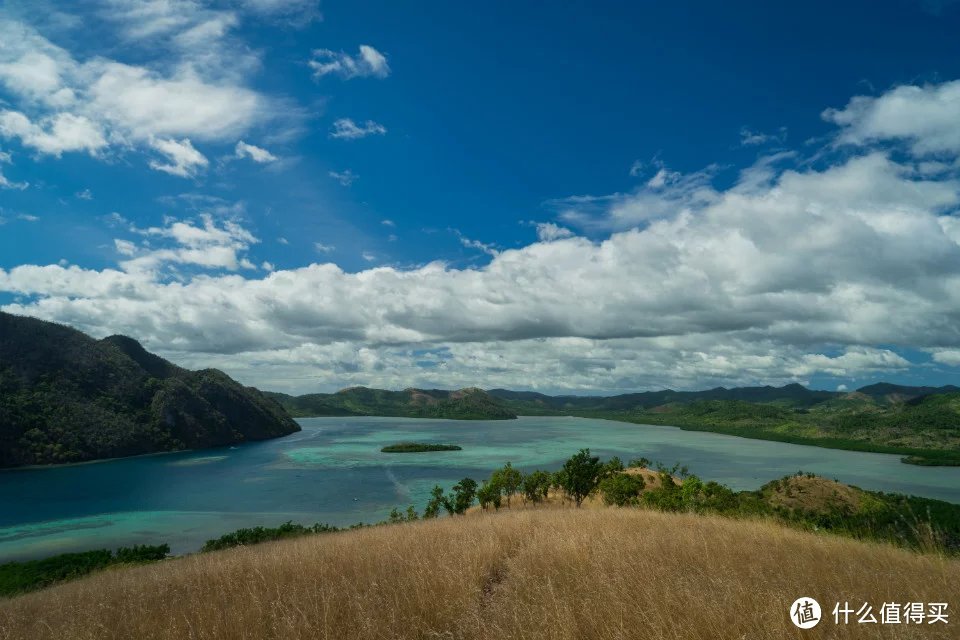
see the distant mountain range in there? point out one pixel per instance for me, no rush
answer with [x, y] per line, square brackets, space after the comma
[791, 395]
[465, 404]
[921, 423]
[66, 397]
[473, 403]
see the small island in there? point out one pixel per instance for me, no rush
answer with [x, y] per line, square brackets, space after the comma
[419, 447]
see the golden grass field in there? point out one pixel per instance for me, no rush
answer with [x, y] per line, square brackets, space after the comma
[535, 573]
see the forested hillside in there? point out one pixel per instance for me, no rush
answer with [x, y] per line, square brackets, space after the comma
[465, 404]
[66, 397]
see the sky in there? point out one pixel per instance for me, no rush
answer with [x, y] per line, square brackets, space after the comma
[578, 197]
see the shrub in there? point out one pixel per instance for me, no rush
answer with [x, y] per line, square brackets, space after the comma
[621, 489]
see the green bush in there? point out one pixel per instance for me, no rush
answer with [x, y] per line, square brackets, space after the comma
[30, 575]
[255, 535]
[621, 489]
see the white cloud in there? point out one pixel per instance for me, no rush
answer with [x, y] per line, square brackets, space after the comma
[367, 63]
[27, 217]
[841, 387]
[486, 248]
[257, 154]
[793, 271]
[368, 256]
[548, 232]
[35, 74]
[184, 160]
[949, 357]
[347, 129]
[665, 194]
[323, 248]
[208, 245]
[194, 88]
[145, 104]
[924, 117]
[854, 360]
[6, 183]
[388, 223]
[124, 247]
[53, 135]
[345, 178]
[296, 12]
[751, 138]
[85, 194]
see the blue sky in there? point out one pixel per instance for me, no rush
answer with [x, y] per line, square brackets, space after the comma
[589, 197]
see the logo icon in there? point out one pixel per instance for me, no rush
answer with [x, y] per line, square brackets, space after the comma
[805, 613]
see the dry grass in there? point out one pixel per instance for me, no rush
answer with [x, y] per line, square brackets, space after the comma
[536, 573]
[816, 494]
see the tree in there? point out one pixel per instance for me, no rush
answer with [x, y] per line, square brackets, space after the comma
[463, 495]
[399, 516]
[640, 462]
[508, 479]
[437, 502]
[536, 485]
[489, 494]
[613, 465]
[621, 489]
[580, 475]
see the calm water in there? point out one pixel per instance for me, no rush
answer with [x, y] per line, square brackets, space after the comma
[333, 472]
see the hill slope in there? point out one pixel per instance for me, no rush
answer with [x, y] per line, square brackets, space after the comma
[465, 404]
[546, 573]
[921, 422]
[66, 397]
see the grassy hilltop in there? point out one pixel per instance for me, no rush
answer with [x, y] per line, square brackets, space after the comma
[551, 572]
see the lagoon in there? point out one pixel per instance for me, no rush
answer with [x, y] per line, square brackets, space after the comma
[333, 471]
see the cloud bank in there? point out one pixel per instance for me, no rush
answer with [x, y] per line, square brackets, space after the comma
[802, 267]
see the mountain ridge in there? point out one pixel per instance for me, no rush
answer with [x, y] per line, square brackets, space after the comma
[67, 397]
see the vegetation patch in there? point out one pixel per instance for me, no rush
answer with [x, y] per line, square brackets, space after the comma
[21, 577]
[464, 404]
[947, 459]
[256, 535]
[419, 447]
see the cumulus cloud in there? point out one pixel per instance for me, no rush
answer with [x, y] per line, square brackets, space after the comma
[209, 244]
[53, 135]
[924, 117]
[367, 63]
[347, 129]
[65, 104]
[792, 271]
[257, 154]
[548, 231]
[184, 160]
[949, 357]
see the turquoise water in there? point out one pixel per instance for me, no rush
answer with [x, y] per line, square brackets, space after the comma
[333, 471]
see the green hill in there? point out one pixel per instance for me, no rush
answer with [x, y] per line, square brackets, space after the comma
[66, 397]
[791, 395]
[465, 404]
[922, 423]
